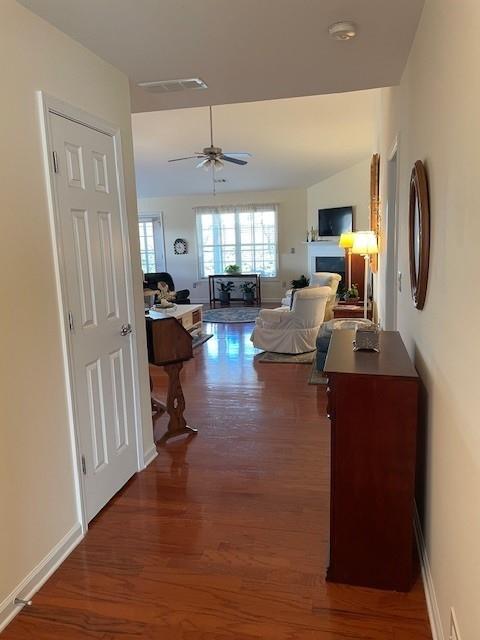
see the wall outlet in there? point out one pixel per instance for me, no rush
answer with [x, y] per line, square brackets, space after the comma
[454, 634]
[292, 250]
[194, 285]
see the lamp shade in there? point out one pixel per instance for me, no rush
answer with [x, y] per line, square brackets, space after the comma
[346, 240]
[365, 243]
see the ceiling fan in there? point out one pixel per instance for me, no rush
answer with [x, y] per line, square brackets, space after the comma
[213, 157]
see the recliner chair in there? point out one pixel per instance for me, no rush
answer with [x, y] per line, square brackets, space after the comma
[319, 279]
[152, 280]
[292, 331]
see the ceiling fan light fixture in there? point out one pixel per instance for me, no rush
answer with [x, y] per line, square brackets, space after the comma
[203, 164]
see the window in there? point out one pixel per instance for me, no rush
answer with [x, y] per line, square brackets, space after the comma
[245, 235]
[150, 229]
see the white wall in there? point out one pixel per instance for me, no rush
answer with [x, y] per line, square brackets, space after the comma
[348, 187]
[179, 222]
[36, 478]
[435, 114]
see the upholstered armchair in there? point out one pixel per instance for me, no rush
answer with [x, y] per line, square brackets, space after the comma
[152, 280]
[319, 279]
[294, 330]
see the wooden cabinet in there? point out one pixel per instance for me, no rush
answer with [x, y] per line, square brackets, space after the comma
[351, 311]
[373, 408]
[169, 345]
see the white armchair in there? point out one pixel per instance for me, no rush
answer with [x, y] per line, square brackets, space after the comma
[320, 279]
[292, 331]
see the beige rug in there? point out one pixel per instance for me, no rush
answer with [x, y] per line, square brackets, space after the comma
[285, 358]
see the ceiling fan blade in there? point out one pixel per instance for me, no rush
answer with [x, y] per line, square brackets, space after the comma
[234, 160]
[245, 154]
[204, 162]
[187, 158]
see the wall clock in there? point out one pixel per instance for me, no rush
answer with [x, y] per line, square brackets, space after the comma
[419, 233]
[375, 203]
[180, 247]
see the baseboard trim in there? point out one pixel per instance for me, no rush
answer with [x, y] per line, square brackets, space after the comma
[428, 585]
[150, 455]
[39, 575]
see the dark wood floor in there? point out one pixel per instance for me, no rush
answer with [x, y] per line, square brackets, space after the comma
[223, 537]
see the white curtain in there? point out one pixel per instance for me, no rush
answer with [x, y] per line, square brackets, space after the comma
[245, 235]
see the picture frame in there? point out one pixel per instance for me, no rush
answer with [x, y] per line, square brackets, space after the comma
[375, 204]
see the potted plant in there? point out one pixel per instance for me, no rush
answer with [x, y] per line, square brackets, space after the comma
[351, 295]
[224, 289]
[232, 268]
[248, 290]
[300, 283]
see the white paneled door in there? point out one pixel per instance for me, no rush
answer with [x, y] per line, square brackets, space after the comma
[100, 335]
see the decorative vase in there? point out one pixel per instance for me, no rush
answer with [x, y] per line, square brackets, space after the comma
[248, 297]
[224, 297]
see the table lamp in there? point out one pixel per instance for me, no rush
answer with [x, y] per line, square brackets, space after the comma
[365, 244]
[346, 242]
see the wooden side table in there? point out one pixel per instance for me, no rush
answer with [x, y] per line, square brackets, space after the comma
[351, 311]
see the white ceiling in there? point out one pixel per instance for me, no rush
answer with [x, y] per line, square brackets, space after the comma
[245, 50]
[295, 143]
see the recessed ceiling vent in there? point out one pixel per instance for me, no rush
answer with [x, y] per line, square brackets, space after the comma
[169, 86]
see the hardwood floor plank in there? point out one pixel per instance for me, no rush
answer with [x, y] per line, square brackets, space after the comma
[225, 535]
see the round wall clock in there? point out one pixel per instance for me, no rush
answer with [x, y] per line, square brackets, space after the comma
[180, 247]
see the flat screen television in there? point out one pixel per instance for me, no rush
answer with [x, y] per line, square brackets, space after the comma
[335, 221]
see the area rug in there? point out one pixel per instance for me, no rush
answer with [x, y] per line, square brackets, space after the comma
[285, 358]
[200, 339]
[317, 377]
[231, 314]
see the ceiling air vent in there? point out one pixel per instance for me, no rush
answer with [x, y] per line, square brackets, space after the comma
[168, 86]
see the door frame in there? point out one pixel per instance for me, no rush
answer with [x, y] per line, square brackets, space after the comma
[48, 105]
[391, 235]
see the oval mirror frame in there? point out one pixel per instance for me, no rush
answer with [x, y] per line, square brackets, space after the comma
[419, 233]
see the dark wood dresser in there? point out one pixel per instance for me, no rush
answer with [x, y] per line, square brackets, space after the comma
[373, 408]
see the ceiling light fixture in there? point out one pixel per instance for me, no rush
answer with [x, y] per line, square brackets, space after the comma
[211, 163]
[342, 30]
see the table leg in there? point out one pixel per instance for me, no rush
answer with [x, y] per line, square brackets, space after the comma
[158, 407]
[177, 425]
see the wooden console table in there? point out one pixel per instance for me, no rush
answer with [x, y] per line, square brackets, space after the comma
[230, 276]
[373, 408]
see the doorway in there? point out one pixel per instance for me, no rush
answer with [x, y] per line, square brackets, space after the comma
[392, 280]
[93, 266]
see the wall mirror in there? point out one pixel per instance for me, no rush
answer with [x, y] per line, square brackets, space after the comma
[419, 233]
